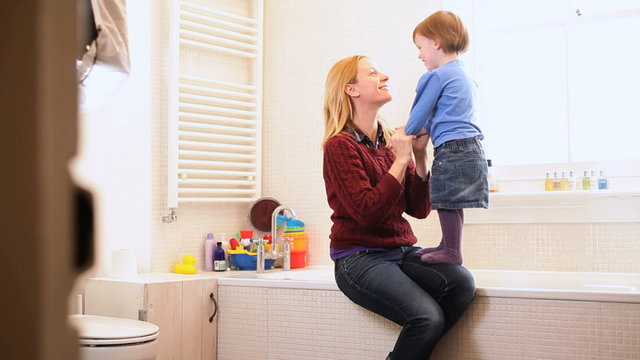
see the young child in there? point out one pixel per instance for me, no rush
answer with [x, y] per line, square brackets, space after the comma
[444, 108]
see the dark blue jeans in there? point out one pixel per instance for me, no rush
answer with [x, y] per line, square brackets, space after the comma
[425, 299]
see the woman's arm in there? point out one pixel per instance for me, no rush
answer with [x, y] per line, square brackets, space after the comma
[420, 154]
[417, 192]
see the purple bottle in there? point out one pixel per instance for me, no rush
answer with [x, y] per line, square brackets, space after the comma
[209, 244]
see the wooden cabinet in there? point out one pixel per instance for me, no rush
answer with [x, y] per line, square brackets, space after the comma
[182, 306]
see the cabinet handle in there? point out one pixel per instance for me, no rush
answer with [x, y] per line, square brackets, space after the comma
[215, 307]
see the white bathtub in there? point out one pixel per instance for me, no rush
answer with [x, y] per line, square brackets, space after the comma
[516, 315]
[584, 286]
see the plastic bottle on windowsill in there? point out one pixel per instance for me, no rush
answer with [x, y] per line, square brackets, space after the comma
[493, 184]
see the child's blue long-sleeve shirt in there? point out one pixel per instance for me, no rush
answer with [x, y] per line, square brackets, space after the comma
[445, 105]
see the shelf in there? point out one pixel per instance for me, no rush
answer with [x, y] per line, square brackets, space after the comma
[559, 207]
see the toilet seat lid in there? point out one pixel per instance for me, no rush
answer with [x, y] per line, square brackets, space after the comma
[102, 330]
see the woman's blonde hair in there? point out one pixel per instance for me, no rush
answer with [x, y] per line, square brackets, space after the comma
[338, 107]
[447, 29]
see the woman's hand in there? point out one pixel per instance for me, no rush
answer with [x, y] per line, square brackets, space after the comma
[401, 144]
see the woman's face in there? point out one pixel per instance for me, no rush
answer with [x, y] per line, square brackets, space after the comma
[428, 51]
[370, 85]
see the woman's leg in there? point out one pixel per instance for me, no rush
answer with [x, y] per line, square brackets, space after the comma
[375, 281]
[451, 286]
[449, 252]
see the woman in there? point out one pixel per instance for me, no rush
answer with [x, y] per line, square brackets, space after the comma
[371, 181]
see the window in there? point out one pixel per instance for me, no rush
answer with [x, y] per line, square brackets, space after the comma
[558, 79]
[558, 88]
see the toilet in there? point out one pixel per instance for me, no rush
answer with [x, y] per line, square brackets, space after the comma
[108, 338]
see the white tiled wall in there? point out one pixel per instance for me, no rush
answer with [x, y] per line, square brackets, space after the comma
[604, 247]
[303, 38]
[324, 324]
[186, 236]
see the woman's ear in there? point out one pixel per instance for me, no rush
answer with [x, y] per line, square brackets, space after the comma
[351, 90]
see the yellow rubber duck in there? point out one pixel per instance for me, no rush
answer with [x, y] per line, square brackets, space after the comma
[187, 266]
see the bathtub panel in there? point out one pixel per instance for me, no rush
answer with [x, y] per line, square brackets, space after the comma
[308, 319]
[242, 319]
[501, 328]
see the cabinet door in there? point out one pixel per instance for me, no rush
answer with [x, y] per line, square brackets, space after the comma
[198, 307]
[192, 314]
[182, 310]
[163, 304]
[210, 319]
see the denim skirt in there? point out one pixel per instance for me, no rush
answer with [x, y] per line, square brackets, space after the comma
[459, 176]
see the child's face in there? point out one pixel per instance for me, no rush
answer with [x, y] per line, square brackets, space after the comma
[429, 51]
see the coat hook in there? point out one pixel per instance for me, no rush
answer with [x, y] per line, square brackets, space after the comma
[578, 12]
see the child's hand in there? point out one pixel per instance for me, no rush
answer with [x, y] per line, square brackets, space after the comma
[423, 132]
[420, 143]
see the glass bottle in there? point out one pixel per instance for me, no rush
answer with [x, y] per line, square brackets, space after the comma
[556, 181]
[593, 178]
[571, 180]
[579, 183]
[564, 182]
[219, 262]
[548, 182]
[586, 182]
[603, 183]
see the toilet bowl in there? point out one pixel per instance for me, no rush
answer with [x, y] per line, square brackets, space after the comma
[107, 338]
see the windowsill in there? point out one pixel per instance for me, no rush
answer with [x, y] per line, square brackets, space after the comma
[559, 207]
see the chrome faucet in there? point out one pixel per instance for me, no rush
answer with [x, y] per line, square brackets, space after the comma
[286, 249]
